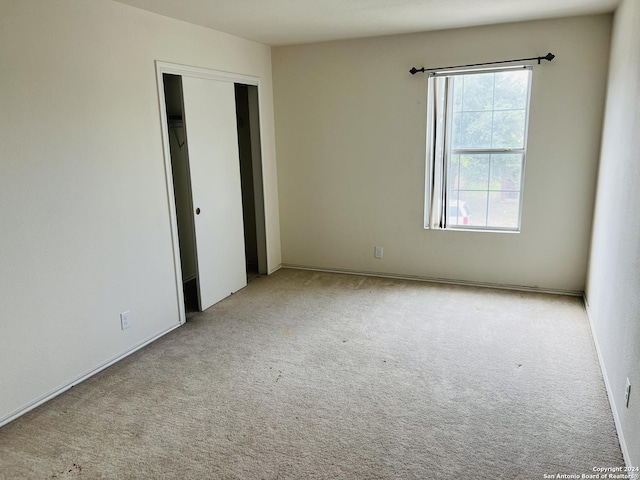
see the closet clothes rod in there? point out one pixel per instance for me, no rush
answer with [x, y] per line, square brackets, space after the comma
[549, 56]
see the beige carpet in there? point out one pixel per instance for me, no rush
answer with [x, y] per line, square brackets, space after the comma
[314, 375]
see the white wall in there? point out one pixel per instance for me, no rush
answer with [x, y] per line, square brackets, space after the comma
[613, 284]
[350, 130]
[83, 204]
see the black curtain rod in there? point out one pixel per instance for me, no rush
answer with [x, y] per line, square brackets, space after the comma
[549, 56]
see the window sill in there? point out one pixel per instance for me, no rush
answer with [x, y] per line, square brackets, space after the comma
[474, 230]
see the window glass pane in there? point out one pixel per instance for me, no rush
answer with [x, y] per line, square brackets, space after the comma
[453, 174]
[458, 216]
[468, 204]
[506, 171]
[477, 92]
[503, 209]
[475, 205]
[511, 90]
[475, 129]
[474, 172]
[457, 84]
[508, 129]
[456, 130]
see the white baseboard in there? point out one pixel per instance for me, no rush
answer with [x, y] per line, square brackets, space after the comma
[523, 288]
[603, 368]
[45, 398]
[273, 270]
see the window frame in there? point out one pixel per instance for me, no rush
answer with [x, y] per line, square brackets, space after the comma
[432, 145]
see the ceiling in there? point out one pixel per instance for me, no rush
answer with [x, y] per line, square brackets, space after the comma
[286, 22]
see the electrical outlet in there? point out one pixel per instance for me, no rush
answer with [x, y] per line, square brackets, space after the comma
[627, 393]
[125, 319]
[377, 253]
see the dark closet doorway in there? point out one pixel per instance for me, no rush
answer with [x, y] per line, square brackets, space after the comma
[247, 117]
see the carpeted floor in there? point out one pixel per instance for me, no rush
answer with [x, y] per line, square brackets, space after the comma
[307, 375]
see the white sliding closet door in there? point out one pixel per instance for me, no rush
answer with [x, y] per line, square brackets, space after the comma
[212, 137]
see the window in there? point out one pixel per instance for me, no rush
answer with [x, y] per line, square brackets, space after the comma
[476, 145]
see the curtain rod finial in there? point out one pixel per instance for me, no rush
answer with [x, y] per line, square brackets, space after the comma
[413, 70]
[550, 56]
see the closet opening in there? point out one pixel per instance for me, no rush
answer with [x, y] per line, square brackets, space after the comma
[208, 206]
[182, 188]
[248, 122]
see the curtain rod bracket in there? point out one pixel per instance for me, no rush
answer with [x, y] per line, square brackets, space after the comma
[549, 56]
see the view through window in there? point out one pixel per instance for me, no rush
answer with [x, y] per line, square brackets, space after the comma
[482, 124]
